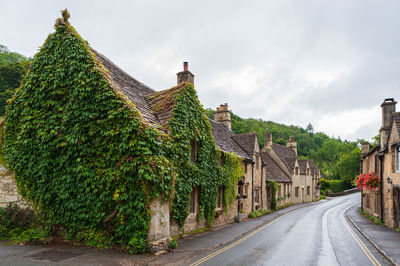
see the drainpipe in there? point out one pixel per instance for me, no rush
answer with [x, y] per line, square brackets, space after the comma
[252, 186]
[362, 189]
[262, 168]
[381, 158]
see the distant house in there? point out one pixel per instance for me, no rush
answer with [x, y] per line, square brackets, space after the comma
[298, 179]
[384, 160]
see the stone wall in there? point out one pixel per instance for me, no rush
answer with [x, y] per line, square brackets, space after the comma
[159, 224]
[8, 189]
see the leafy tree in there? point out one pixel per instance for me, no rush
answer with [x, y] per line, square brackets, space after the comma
[310, 128]
[12, 68]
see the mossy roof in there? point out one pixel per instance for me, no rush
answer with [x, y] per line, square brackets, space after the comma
[163, 102]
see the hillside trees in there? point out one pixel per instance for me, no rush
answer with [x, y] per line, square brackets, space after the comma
[12, 68]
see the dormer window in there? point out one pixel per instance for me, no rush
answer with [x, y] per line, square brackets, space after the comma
[297, 170]
[194, 151]
[308, 171]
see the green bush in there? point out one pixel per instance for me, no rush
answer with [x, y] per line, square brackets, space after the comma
[284, 206]
[332, 185]
[258, 213]
[14, 218]
[173, 244]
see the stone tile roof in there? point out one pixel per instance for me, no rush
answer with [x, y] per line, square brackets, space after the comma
[224, 140]
[247, 141]
[396, 119]
[303, 166]
[287, 155]
[272, 169]
[134, 90]
[314, 168]
[162, 103]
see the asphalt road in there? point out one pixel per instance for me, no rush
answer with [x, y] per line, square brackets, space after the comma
[314, 235]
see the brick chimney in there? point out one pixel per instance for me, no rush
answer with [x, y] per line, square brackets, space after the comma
[292, 144]
[267, 140]
[223, 115]
[388, 108]
[185, 75]
[364, 147]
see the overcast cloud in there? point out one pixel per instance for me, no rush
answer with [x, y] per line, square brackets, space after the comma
[330, 63]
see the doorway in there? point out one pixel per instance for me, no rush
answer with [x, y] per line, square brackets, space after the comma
[396, 207]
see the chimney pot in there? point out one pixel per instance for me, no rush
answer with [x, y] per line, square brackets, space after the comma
[185, 75]
[223, 115]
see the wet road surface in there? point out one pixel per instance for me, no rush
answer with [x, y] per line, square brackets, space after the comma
[314, 235]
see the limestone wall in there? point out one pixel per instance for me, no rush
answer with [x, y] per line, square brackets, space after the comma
[159, 224]
[8, 189]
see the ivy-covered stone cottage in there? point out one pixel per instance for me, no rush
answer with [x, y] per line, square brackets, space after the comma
[251, 186]
[96, 151]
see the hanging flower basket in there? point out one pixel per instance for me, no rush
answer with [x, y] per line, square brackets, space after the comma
[368, 181]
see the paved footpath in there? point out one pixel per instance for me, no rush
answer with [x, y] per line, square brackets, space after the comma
[386, 240]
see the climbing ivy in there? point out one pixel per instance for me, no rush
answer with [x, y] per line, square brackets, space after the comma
[189, 125]
[80, 151]
[86, 160]
[271, 187]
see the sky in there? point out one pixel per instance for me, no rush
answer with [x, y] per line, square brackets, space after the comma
[328, 63]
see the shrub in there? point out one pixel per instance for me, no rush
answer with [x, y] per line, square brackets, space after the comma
[258, 213]
[13, 217]
[173, 244]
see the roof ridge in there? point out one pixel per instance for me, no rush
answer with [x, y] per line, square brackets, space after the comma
[248, 133]
[120, 69]
[240, 146]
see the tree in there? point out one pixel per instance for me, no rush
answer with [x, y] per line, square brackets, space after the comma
[12, 68]
[310, 128]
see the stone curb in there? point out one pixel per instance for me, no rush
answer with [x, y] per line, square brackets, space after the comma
[250, 229]
[369, 239]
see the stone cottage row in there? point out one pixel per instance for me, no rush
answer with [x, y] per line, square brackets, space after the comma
[383, 160]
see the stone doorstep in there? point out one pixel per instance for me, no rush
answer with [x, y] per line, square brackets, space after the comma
[157, 247]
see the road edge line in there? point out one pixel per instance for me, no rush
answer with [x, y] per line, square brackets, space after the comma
[368, 238]
[262, 223]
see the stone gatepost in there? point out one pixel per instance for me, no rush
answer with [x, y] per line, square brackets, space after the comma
[159, 235]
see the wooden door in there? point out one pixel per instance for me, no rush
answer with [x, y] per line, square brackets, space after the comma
[396, 207]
